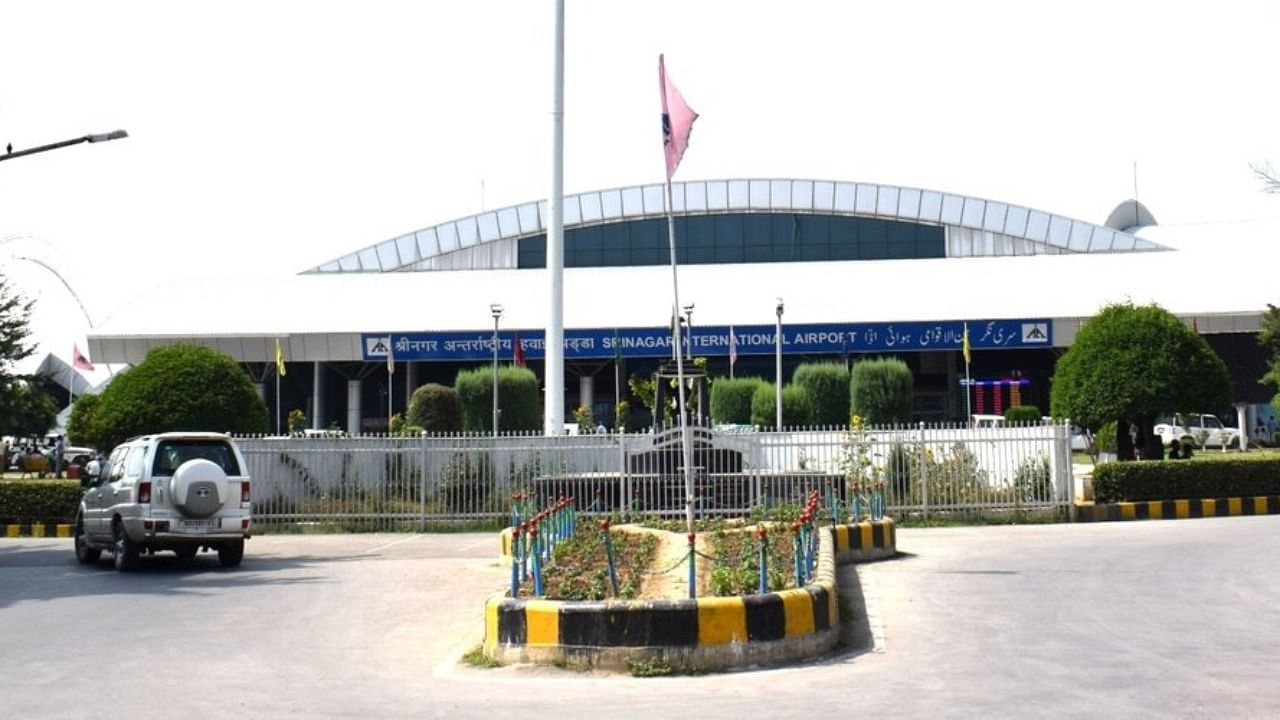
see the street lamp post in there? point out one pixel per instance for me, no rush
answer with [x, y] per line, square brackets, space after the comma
[496, 309]
[94, 138]
[777, 352]
[688, 314]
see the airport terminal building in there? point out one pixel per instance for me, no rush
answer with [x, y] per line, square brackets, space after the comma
[860, 270]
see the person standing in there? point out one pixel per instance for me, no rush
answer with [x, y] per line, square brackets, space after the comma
[57, 457]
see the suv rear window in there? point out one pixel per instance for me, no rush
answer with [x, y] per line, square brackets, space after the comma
[172, 453]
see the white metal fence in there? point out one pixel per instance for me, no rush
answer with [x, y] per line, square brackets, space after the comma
[382, 482]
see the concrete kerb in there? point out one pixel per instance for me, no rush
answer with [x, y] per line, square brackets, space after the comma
[1178, 509]
[712, 633]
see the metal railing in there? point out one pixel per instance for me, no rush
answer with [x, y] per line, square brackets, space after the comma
[388, 482]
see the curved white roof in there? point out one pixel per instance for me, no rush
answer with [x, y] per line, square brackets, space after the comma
[974, 226]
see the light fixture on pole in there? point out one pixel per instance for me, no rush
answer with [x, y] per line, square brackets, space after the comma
[688, 314]
[777, 352]
[496, 309]
[93, 138]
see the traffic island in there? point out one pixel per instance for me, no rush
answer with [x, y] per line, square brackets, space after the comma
[687, 635]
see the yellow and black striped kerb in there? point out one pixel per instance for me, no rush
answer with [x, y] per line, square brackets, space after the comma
[1180, 509]
[660, 623]
[39, 530]
[865, 536]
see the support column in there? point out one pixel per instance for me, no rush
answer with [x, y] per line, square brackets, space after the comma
[262, 390]
[317, 396]
[353, 407]
[1242, 424]
[586, 390]
[410, 384]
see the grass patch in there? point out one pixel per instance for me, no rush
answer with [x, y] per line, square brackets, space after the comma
[650, 667]
[1047, 517]
[477, 659]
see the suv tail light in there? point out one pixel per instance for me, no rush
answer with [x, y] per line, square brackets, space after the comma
[244, 491]
[144, 491]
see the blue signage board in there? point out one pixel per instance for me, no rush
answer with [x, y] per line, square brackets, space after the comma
[827, 338]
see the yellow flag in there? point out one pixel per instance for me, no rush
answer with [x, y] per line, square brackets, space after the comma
[966, 343]
[279, 359]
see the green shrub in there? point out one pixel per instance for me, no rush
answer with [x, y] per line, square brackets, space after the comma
[27, 501]
[179, 387]
[731, 399]
[517, 399]
[1023, 415]
[1183, 480]
[435, 409]
[796, 411]
[828, 387]
[467, 481]
[297, 421]
[880, 391]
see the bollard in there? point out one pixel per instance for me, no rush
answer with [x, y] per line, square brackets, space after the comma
[537, 565]
[515, 561]
[795, 542]
[693, 583]
[524, 552]
[764, 558]
[608, 550]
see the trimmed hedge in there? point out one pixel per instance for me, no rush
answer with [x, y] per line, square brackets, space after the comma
[28, 501]
[1023, 415]
[1186, 479]
[435, 409]
[796, 411]
[731, 399]
[517, 399]
[828, 387]
[880, 391]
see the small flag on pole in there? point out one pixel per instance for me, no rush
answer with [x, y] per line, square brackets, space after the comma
[79, 360]
[391, 358]
[733, 349]
[517, 351]
[966, 343]
[677, 120]
[280, 369]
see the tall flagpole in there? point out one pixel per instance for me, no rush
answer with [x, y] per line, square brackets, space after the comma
[553, 414]
[968, 381]
[685, 436]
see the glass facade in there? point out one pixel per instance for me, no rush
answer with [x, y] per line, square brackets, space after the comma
[741, 238]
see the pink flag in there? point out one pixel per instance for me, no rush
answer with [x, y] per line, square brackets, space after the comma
[733, 348]
[79, 360]
[677, 120]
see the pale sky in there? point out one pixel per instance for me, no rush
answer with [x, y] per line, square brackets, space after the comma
[270, 137]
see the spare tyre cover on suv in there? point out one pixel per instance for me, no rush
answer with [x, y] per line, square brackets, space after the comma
[198, 488]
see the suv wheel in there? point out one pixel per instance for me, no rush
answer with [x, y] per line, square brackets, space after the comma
[231, 553]
[84, 554]
[126, 551]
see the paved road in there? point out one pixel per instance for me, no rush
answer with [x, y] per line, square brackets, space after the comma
[1143, 619]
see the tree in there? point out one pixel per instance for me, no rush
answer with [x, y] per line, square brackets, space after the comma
[15, 328]
[30, 411]
[179, 387]
[880, 391]
[731, 399]
[1132, 363]
[1269, 337]
[796, 408]
[80, 425]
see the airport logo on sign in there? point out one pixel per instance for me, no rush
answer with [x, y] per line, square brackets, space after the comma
[377, 346]
[1035, 332]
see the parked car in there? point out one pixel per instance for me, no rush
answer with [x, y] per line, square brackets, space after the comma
[179, 491]
[1200, 429]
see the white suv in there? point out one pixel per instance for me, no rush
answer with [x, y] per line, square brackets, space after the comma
[1199, 429]
[179, 491]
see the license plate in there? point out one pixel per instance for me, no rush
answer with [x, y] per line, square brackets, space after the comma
[209, 524]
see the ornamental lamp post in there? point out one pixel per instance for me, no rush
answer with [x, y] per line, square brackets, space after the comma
[688, 314]
[496, 309]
